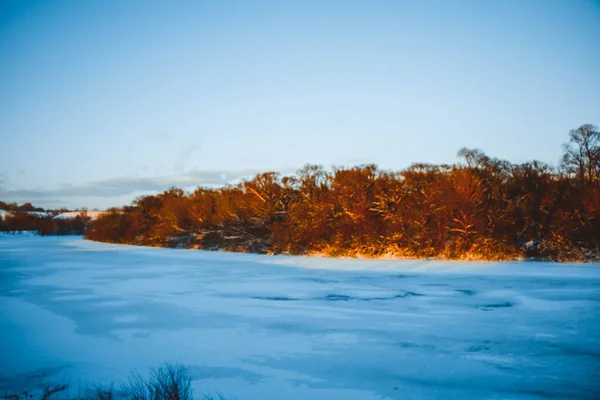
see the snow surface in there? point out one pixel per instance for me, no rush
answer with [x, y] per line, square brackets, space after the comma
[274, 327]
[73, 214]
[40, 214]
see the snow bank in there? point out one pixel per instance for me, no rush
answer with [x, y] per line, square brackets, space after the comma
[40, 214]
[18, 233]
[73, 214]
[4, 214]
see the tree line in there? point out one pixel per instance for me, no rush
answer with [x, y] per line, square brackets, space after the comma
[15, 208]
[479, 208]
[26, 217]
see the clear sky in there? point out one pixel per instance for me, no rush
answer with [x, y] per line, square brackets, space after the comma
[103, 100]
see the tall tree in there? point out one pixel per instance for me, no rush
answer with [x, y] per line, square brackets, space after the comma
[582, 153]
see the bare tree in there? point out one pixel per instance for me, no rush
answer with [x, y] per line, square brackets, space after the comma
[582, 153]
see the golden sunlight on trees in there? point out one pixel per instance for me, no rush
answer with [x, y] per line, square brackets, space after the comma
[479, 208]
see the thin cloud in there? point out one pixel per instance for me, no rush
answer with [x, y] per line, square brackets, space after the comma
[162, 137]
[130, 185]
[184, 157]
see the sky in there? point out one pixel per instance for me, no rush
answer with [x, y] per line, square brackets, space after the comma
[101, 101]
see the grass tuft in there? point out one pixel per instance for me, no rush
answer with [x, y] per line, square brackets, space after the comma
[167, 382]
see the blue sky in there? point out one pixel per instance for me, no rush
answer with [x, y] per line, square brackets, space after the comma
[101, 101]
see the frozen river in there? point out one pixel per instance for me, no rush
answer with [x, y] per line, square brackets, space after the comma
[272, 327]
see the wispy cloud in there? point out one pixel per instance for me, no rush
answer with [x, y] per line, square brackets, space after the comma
[119, 187]
[184, 157]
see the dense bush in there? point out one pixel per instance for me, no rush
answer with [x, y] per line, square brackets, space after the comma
[480, 208]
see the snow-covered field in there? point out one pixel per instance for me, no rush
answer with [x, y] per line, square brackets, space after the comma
[264, 327]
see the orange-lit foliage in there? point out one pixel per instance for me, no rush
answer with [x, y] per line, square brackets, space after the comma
[482, 208]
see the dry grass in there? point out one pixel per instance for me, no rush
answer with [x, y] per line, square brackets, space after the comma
[167, 382]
